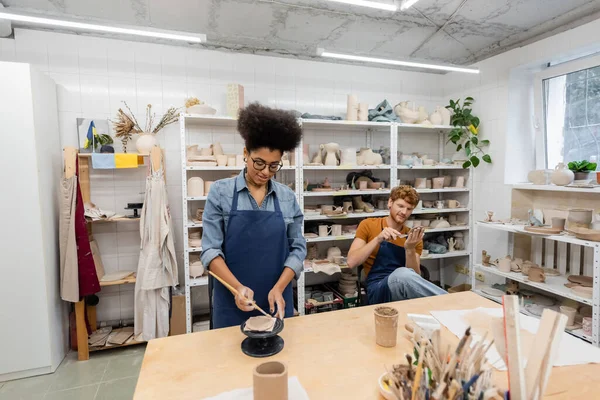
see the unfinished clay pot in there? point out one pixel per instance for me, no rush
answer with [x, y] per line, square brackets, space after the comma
[386, 326]
[438, 183]
[270, 381]
[536, 274]
[516, 265]
[504, 264]
[525, 267]
[579, 218]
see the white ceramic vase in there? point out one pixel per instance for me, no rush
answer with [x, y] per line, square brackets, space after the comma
[561, 175]
[407, 114]
[348, 156]
[195, 187]
[145, 142]
[332, 152]
[445, 115]
[333, 252]
[436, 117]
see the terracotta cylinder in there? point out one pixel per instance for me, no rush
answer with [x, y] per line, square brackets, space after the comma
[386, 326]
[270, 381]
[438, 183]
[420, 183]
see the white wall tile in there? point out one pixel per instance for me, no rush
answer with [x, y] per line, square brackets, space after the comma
[68, 91]
[122, 89]
[121, 60]
[63, 55]
[8, 50]
[149, 91]
[147, 61]
[93, 55]
[94, 94]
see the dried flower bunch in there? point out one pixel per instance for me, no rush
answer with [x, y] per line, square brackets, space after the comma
[126, 125]
[193, 101]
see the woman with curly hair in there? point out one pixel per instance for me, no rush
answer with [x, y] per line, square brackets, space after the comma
[252, 236]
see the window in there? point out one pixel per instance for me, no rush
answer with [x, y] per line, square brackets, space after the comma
[570, 104]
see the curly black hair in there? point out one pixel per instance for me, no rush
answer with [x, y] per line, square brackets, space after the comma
[261, 126]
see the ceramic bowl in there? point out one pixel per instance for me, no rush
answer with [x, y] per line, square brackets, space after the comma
[384, 390]
[201, 109]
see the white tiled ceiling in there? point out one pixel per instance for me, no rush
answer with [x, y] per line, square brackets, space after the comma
[450, 31]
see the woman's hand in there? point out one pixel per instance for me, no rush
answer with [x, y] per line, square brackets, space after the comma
[276, 298]
[388, 233]
[414, 237]
[244, 299]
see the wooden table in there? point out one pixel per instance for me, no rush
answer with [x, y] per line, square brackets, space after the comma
[333, 354]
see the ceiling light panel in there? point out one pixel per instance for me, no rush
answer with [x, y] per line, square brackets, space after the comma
[370, 4]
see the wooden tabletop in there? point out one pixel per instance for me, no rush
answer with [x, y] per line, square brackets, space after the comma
[333, 354]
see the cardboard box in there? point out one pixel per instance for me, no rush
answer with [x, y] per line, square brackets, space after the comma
[178, 316]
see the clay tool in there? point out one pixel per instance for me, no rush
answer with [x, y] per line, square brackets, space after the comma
[234, 291]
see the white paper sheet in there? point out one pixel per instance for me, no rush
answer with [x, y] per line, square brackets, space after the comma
[572, 351]
[295, 392]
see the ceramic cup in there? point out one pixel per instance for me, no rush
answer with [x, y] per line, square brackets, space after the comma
[586, 324]
[428, 204]
[570, 313]
[438, 183]
[453, 204]
[420, 183]
[452, 218]
[324, 230]
[239, 160]
[221, 160]
[425, 223]
[327, 296]
[558, 223]
[326, 208]
[207, 185]
[386, 326]
[347, 207]
[428, 184]
[504, 264]
[270, 381]
[439, 204]
[416, 222]
[231, 161]
[362, 185]
[460, 181]
[336, 230]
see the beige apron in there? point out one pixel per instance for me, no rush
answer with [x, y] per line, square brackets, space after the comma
[157, 267]
[69, 265]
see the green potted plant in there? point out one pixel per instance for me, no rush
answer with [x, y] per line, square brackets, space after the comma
[582, 169]
[465, 132]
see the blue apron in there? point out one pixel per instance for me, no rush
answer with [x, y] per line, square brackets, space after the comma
[255, 247]
[388, 259]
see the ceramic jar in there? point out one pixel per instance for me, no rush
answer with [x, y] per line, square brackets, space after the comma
[439, 223]
[270, 381]
[333, 252]
[561, 175]
[368, 157]
[332, 152]
[504, 264]
[445, 115]
[436, 117]
[348, 156]
[438, 183]
[217, 149]
[363, 111]
[386, 326]
[195, 187]
[538, 177]
[196, 269]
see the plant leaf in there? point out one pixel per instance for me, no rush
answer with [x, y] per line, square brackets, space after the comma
[467, 150]
[466, 164]
[469, 99]
[485, 142]
[474, 140]
[475, 121]
[452, 104]
[475, 161]
[487, 158]
[459, 147]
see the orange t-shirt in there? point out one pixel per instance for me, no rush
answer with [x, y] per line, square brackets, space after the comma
[368, 230]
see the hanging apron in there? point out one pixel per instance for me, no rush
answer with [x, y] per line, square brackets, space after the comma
[255, 247]
[388, 259]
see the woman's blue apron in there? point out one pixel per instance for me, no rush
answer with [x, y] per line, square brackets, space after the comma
[255, 247]
[388, 259]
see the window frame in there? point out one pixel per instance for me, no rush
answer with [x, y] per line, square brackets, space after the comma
[539, 116]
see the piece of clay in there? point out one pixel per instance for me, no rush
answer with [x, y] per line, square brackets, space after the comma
[260, 323]
[485, 258]
[586, 281]
[536, 274]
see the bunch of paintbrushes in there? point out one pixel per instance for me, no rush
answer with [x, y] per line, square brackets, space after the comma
[438, 373]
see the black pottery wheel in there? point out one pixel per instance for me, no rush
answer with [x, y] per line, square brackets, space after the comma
[263, 344]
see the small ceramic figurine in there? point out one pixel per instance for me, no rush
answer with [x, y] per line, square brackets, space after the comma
[533, 221]
[451, 244]
[490, 216]
[512, 288]
[459, 241]
[326, 183]
[330, 154]
[485, 258]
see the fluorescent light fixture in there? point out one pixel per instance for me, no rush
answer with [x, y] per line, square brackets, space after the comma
[146, 32]
[406, 4]
[371, 4]
[349, 57]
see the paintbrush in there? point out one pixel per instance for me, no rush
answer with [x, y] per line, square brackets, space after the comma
[234, 291]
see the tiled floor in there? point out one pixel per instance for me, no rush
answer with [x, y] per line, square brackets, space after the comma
[107, 375]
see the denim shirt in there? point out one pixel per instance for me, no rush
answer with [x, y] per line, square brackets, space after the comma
[216, 217]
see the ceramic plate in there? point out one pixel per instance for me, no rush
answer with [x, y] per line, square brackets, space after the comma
[492, 292]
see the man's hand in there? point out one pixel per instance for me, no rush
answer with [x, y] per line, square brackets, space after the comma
[388, 233]
[276, 299]
[414, 237]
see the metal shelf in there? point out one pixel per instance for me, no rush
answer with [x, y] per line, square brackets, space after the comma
[351, 236]
[192, 224]
[554, 188]
[199, 198]
[432, 167]
[345, 125]
[445, 190]
[202, 281]
[344, 167]
[347, 193]
[236, 168]
[348, 216]
[519, 229]
[210, 120]
[423, 128]
[438, 210]
[193, 249]
[553, 284]
[450, 254]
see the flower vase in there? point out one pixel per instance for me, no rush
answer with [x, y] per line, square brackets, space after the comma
[145, 142]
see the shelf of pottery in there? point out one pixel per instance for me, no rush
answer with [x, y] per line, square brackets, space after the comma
[346, 174]
[553, 258]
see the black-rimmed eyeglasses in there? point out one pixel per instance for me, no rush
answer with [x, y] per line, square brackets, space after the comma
[259, 165]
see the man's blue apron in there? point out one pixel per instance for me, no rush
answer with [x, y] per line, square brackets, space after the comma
[388, 259]
[255, 247]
